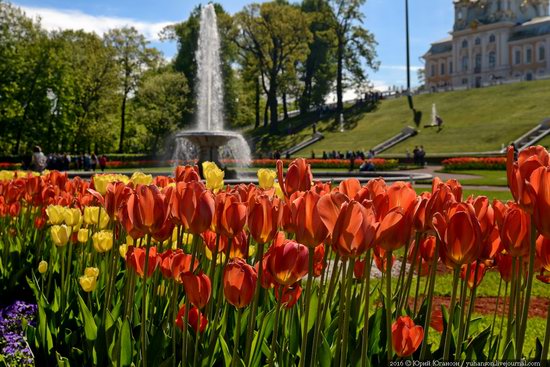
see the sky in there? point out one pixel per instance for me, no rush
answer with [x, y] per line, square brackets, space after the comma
[430, 20]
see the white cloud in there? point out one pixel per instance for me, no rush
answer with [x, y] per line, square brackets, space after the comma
[55, 19]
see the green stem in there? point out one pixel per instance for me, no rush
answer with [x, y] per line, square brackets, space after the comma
[405, 294]
[417, 288]
[174, 313]
[318, 320]
[427, 320]
[349, 281]
[341, 305]
[144, 306]
[236, 340]
[502, 321]
[511, 302]
[197, 342]
[527, 297]
[388, 296]
[463, 292]
[449, 331]
[496, 309]
[544, 355]
[252, 316]
[303, 349]
[366, 304]
[275, 332]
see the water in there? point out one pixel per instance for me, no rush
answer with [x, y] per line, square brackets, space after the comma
[209, 94]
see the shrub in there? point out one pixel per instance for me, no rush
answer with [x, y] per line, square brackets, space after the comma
[467, 163]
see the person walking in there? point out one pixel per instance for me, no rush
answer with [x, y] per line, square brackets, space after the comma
[39, 161]
[93, 161]
[102, 162]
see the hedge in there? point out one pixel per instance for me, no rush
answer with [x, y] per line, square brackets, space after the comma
[471, 163]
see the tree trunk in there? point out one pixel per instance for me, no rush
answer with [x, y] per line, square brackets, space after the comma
[305, 100]
[122, 124]
[339, 79]
[266, 113]
[285, 107]
[257, 104]
[273, 107]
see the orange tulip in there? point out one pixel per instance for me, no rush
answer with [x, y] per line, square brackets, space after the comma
[195, 319]
[437, 320]
[192, 206]
[359, 269]
[460, 234]
[540, 180]
[197, 287]
[381, 259]
[187, 174]
[147, 209]
[329, 206]
[116, 197]
[309, 228]
[515, 231]
[239, 283]
[394, 229]
[162, 181]
[318, 260]
[298, 177]
[181, 263]
[504, 266]
[420, 224]
[350, 187]
[354, 231]
[264, 218]
[406, 336]
[229, 215]
[288, 262]
[288, 295]
[543, 252]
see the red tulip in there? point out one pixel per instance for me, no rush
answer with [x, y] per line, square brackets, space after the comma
[381, 259]
[519, 174]
[181, 264]
[288, 262]
[473, 279]
[437, 320]
[135, 259]
[329, 206]
[540, 181]
[288, 295]
[197, 287]
[239, 283]
[543, 252]
[350, 187]
[192, 206]
[359, 269]
[147, 209]
[264, 218]
[394, 229]
[298, 177]
[195, 319]
[229, 215]
[515, 231]
[187, 174]
[354, 231]
[309, 227]
[116, 196]
[406, 336]
[318, 260]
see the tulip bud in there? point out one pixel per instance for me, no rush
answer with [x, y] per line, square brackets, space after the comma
[82, 235]
[103, 241]
[88, 281]
[266, 178]
[60, 234]
[122, 250]
[239, 283]
[42, 267]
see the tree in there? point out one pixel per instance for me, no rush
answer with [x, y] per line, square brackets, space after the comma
[133, 57]
[160, 104]
[318, 71]
[354, 45]
[277, 36]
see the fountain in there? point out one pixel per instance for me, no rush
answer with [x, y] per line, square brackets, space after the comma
[208, 141]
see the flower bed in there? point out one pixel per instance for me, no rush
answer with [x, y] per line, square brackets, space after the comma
[472, 163]
[14, 348]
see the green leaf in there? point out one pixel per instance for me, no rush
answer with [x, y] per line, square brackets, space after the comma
[90, 328]
[227, 357]
[313, 304]
[125, 344]
[325, 355]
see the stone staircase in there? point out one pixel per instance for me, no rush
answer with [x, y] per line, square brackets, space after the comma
[406, 133]
[304, 144]
[533, 136]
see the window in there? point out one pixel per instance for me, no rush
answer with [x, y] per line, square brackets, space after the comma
[478, 41]
[465, 63]
[433, 70]
[492, 37]
[517, 57]
[492, 59]
[464, 81]
[450, 67]
[478, 63]
[442, 69]
[528, 56]
[465, 44]
[542, 53]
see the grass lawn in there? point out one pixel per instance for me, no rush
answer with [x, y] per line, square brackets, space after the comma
[499, 195]
[487, 178]
[475, 120]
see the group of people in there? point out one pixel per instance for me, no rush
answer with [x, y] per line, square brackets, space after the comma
[419, 156]
[347, 155]
[64, 162]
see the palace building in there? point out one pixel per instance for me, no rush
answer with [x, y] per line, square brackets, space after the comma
[492, 42]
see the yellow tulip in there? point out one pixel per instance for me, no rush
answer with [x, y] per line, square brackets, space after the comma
[72, 216]
[83, 235]
[278, 191]
[220, 259]
[60, 234]
[42, 267]
[103, 241]
[266, 178]
[101, 181]
[130, 241]
[6, 175]
[96, 215]
[214, 177]
[207, 166]
[141, 178]
[122, 250]
[56, 214]
[88, 281]
[161, 290]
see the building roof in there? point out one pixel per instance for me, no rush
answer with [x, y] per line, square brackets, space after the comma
[441, 46]
[534, 28]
